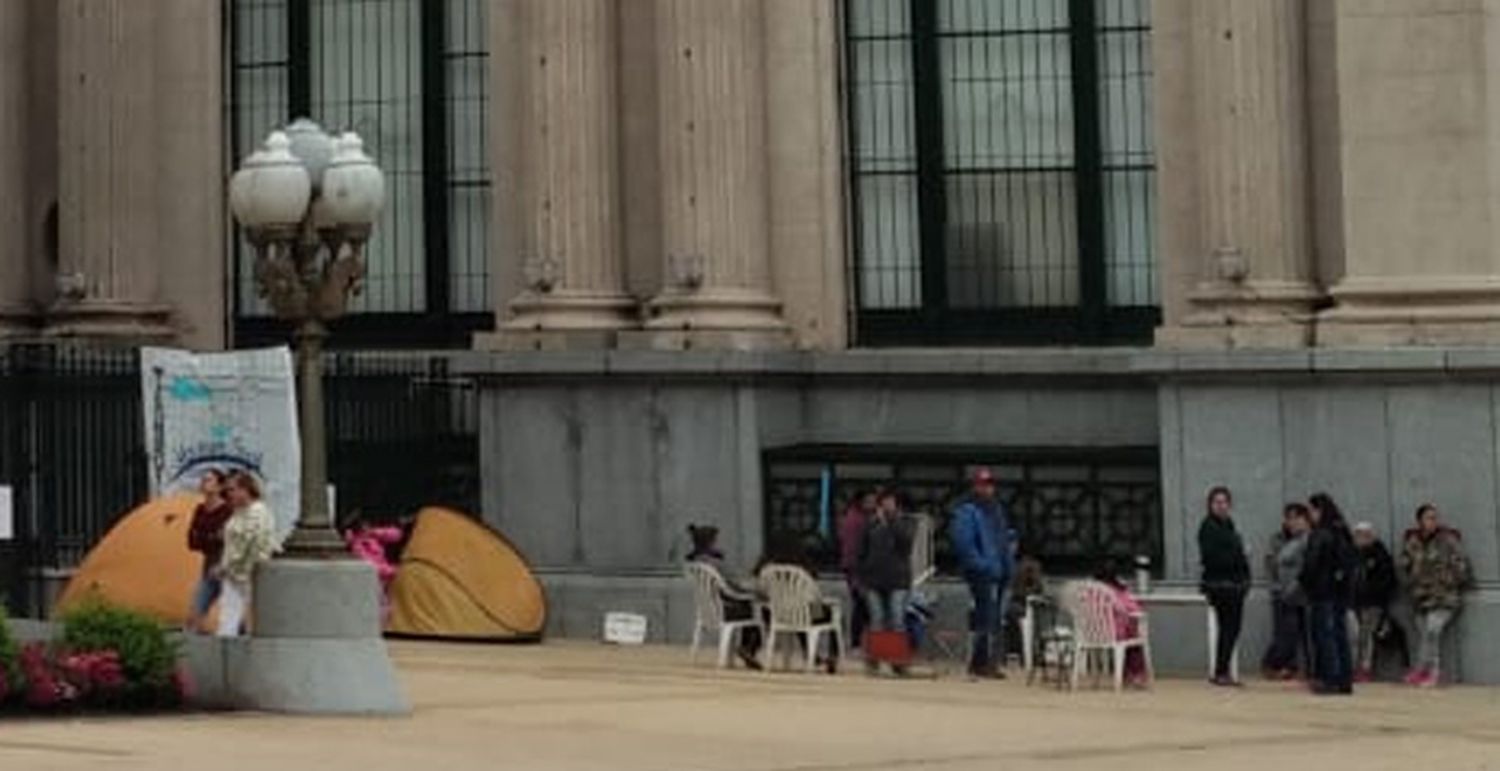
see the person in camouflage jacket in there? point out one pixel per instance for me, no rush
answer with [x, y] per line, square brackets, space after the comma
[1437, 573]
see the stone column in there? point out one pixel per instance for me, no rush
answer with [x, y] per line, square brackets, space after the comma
[142, 244]
[569, 186]
[1419, 112]
[14, 192]
[1256, 279]
[715, 199]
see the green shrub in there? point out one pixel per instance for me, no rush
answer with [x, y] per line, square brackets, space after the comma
[10, 654]
[148, 656]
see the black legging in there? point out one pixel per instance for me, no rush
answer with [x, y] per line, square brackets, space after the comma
[1229, 610]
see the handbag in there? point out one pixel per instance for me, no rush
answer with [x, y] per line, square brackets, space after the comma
[888, 647]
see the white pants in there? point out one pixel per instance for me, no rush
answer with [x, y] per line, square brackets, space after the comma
[232, 604]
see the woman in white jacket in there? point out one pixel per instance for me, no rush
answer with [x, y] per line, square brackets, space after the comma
[249, 539]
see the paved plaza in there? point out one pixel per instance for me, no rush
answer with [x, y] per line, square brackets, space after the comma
[585, 706]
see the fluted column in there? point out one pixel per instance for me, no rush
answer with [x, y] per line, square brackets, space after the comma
[141, 166]
[569, 187]
[14, 284]
[715, 205]
[1256, 282]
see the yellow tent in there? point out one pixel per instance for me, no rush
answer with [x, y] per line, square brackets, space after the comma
[143, 563]
[459, 579]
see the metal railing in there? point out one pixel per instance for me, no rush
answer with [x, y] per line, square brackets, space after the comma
[402, 434]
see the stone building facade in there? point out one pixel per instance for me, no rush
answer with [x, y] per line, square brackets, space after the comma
[727, 260]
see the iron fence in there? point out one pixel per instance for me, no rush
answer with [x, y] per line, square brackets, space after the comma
[402, 434]
[1072, 509]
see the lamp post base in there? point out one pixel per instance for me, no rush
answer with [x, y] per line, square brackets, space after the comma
[317, 646]
[314, 543]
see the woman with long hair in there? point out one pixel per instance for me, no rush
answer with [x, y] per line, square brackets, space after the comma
[1226, 578]
[206, 536]
[249, 540]
[1328, 579]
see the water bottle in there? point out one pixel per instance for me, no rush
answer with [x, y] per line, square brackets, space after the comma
[1142, 575]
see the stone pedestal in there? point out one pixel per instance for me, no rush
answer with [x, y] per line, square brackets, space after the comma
[1254, 284]
[715, 199]
[569, 189]
[317, 645]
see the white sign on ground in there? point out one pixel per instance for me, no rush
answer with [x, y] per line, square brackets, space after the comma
[233, 411]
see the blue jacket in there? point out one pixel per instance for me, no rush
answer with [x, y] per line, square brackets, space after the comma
[981, 541]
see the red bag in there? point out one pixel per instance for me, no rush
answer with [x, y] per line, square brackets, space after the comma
[888, 648]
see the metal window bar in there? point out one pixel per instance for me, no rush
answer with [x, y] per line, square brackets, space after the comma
[997, 195]
[411, 77]
[1072, 509]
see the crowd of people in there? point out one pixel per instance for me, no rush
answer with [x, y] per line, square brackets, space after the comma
[1333, 587]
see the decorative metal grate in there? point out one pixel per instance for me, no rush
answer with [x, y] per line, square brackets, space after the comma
[411, 77]
[1072, 509]
[1004, 170]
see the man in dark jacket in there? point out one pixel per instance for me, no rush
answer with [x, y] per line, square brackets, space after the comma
[981, 541]
[1328, 578]
[885, 567]
[1375, 587]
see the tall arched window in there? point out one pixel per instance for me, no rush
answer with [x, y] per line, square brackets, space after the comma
[410, 77]
[1003, 165]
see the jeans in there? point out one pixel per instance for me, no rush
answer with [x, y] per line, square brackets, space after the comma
[232, 604]
[1430, 625]
[1229, 610]
[1367, 621]
[1331, 642]
[986, 594]
[887, 609]
[205, 593]
[1288, 649]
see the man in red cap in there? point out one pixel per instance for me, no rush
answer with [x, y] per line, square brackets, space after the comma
[981, 539]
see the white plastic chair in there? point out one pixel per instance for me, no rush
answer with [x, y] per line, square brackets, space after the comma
[1094, 608]
[709, 589]
[922, 566]
[793, 596]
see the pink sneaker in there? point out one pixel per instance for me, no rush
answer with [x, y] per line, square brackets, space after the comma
[1363, 676]
[1415, 677]
[1429, 679]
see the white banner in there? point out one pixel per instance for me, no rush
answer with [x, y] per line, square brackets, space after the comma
[233, 411]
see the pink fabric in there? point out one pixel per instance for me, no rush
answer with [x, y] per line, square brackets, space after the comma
[1126, 628]
[369, 545]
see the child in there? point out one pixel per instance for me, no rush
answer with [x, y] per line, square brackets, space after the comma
[1127, 625]
[369, 543]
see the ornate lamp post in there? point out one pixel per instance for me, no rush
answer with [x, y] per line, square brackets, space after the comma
[308, 202]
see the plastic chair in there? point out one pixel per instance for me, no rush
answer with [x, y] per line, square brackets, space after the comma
[793, 597]
[1095, 608]
[922, 566]
[709, 590]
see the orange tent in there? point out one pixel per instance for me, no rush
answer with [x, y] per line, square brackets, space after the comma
[457, 578]
[143, 563]
[461, 580]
